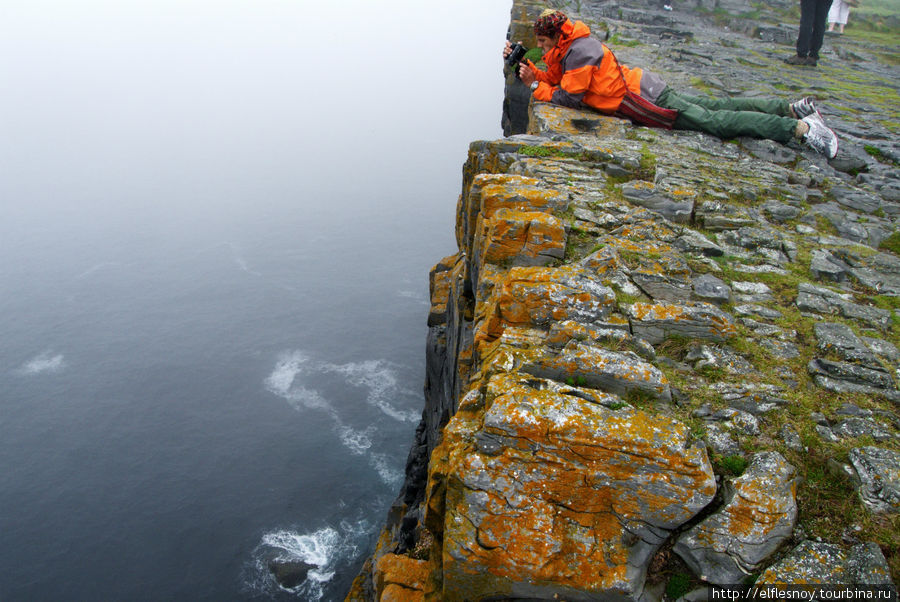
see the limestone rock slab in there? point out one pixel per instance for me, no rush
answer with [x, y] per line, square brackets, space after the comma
[820, 563]
[612, 371]
[759, 515]
[537, 296]
[698, 320]
[878, 471]
[573, 498]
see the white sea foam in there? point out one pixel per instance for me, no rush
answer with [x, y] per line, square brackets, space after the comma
[381, 381]
[389, 475]
[97, 268]
[281, 383]
[326, 549]
[420, 297]
[44, 362]
[358, 442]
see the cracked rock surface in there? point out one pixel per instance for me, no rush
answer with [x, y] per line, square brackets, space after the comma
[633, 316]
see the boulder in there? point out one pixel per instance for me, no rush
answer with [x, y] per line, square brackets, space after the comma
[400, 578]
[289, 573]
[512, 237]
[823, 300]
[820, 563]
[570, 499]
[537, 297]
[711, 289]
[844, 377]
[649, 196]
[878, 471]
[841, 340]
[593, 366]
[758, 516]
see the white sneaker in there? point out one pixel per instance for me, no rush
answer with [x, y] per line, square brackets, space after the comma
[805, 106]
[819, 137]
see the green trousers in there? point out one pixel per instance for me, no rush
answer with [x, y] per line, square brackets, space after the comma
[731, 117]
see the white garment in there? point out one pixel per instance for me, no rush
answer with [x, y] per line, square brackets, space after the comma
[839, 12]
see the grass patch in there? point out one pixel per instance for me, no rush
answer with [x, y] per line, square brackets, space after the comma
[877, 154]
[891, 243]
[733, 465]
[546, 151]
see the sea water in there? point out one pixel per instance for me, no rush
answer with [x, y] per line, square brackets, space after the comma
[216, 225]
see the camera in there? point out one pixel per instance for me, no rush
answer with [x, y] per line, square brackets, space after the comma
[515, 57]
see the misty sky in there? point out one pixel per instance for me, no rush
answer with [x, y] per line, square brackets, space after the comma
[117, 106]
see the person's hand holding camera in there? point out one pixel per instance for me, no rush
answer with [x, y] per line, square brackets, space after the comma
[526, 73]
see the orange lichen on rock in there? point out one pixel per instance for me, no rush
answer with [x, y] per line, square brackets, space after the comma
[439, 288]
[758, 516]
[534, 296]
[657, 321]
[520, 237]
[547, 492]
[549, 117]
[492, 192]
[401, 578]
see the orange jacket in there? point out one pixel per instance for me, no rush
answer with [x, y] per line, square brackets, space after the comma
[580, 69]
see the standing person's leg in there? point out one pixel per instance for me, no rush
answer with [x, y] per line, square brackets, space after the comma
[729, 123]
[818, 30]
[834, 14]
[807, 18]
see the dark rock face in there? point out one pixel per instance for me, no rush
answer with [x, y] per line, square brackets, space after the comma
[289, 573]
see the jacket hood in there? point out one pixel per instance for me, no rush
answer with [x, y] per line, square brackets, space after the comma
[570, 31]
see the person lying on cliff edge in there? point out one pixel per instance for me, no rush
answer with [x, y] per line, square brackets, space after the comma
[583, 73]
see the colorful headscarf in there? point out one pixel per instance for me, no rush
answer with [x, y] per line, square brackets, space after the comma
[549, 24]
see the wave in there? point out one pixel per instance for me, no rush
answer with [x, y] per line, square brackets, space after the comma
[281, 383]
[44, 362]
[376, 376]
[326, 549]
[381, 381]
[388, 473]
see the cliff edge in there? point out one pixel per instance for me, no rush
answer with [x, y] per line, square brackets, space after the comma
[658, 360]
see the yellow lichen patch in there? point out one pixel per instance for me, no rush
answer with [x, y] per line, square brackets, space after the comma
[543, 490]
[492, 192]
[644, 248]
[534, 297]
[701, 320]
[401, 578]
[518, 235]
[587, 127]
[439, 287]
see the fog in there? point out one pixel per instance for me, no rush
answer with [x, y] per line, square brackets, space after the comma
[216, 225]
[218, 107]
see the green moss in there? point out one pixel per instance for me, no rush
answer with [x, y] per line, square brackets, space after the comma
[886, 302]
[733, 465]
[891, 243]
[534, 55]
[678, 585]
[617, 40]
